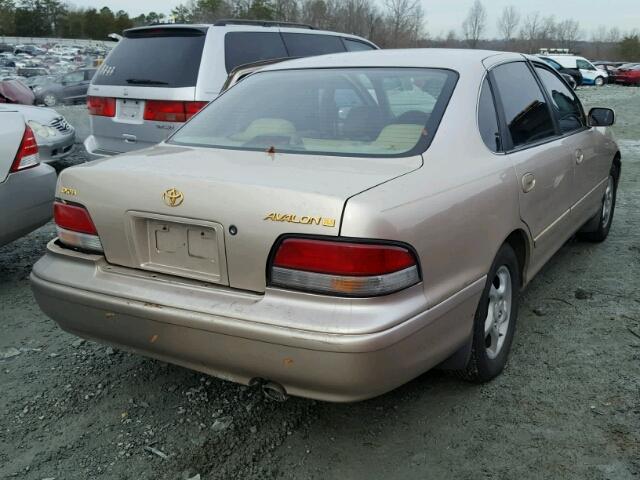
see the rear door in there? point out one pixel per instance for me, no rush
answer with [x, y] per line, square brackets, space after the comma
[148, 64]
[72, 85]
[542, 163]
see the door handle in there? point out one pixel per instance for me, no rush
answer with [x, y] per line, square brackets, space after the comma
[528, 182]
[129, 138]
[579, 156]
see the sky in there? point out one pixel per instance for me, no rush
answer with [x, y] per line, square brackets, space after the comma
[443, 16]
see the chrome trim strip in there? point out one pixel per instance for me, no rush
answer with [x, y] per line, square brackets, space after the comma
[584, 197]
[550, 227]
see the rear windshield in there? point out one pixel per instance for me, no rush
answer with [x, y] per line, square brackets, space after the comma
[379, 112]
[154, 58]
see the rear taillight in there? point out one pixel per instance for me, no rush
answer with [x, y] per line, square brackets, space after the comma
[75, 227]
[27, 155]
[343, 268]
[171, 111]
[101, 106]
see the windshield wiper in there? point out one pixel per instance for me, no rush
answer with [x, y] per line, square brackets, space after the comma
[144, 81]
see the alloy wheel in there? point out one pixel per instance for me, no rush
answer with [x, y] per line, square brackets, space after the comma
[607, 202]
[498, 318]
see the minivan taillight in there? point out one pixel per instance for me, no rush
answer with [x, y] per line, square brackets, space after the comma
[355, 269]
[75, 228]
[27, 155]
[101, 106]
[171, 111]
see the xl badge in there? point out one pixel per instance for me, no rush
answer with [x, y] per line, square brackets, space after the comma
[173, 197]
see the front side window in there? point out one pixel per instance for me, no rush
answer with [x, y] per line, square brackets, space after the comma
[488, 119]
[249, 47]
[584, 65]
[326, 111]
[74, 77]
[307, 44]
[526, 111]
[564, 103]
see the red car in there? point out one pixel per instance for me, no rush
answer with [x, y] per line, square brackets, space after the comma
[628, 75]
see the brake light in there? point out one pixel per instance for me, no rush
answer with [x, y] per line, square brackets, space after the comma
[171, 111]
[101, 106]
[27, 155]
[343, 268]
[75, 227]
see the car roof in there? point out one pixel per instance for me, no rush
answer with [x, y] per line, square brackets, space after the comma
[248, 27]
[455, 59]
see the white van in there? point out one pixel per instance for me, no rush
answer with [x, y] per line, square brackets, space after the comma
[157, 77]
[590, 74]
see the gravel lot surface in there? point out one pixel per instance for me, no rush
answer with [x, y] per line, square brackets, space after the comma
[568, 405]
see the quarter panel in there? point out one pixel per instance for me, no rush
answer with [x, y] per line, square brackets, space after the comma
[455, 211]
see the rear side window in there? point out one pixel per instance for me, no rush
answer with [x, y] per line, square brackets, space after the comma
[307, 45]
[167, 57]
[249, 47]
[356, 46]
[488, 119]
[564, 103]
[526, 111]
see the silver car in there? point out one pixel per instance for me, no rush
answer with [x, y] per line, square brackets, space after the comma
[158, 77]
[55, 136]
[333, 227]
[27, 187]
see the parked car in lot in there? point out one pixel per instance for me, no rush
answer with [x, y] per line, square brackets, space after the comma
[157, 77]
[15, 91]
[32, 72]
[69, 88]
[573, 73]
[628, 75]
[27, 187]
[590, 74]
[54, 135]
[347, 253]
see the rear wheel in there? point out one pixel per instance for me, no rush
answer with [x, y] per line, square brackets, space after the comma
[50, 100]
[495, 319]
[601, 223]
[599, 82]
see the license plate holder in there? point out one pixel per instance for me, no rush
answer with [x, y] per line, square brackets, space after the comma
[130, 110]
[182, 247]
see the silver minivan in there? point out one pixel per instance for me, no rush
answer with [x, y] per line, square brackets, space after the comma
[157, 77]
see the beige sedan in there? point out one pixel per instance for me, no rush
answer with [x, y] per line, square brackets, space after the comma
[333, 227]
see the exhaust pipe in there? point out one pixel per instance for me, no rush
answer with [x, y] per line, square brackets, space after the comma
[274, 391]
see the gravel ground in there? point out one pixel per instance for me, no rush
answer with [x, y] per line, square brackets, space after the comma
[568, 405]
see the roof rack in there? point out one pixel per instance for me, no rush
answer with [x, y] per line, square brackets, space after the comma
[261, 23]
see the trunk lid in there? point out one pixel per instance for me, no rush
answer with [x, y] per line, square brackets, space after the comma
[170, 208]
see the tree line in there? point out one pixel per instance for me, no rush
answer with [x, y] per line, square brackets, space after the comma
[388, 23]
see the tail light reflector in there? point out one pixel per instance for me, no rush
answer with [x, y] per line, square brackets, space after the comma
[343, 268]
[27, 155]
[75, 228]
[101, 106]
[171, 111]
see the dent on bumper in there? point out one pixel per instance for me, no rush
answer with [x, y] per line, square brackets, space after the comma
[323, 365]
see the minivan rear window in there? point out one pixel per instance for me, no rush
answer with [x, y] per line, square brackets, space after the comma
[167, 58]
[249, 47]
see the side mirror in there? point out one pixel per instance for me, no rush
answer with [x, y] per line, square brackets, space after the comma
[601, 117]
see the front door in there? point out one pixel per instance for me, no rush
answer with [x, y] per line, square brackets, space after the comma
[542, 164]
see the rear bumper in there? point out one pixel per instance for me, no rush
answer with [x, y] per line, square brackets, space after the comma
[27, 201]
[79, 292]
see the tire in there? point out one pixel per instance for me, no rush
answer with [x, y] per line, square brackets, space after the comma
[599, 81]
[597, 229]
[490, 345]
[50, 100]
